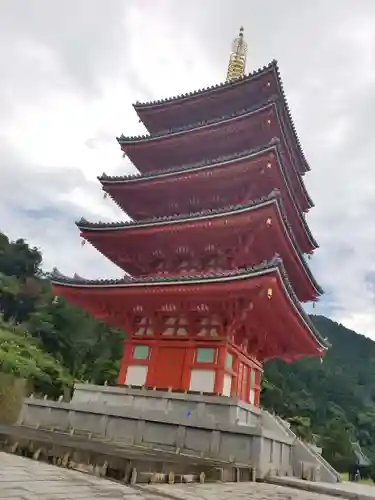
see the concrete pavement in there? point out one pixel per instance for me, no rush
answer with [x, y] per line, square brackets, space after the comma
[25, 479]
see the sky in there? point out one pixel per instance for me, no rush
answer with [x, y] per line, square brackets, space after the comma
[71, 71]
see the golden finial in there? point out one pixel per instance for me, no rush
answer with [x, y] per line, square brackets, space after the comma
[237, 58]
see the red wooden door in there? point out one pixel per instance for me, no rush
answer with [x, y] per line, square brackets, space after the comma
[168, 368]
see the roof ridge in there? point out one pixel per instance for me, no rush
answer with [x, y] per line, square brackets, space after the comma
[57, 277]
[249, 76]
[291, 121]
[273, 195]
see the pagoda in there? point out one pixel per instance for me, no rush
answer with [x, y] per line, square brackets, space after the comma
[214, 256]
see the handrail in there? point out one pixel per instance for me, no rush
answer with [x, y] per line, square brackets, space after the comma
[320, 457]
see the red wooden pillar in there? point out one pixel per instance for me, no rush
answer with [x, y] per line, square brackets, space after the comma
[126, 359]
[152, 365]
[245, 392]
[257, 387]
[188, 364]
[235, 379]
[220, 367]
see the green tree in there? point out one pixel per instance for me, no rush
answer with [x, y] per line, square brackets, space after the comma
[88, 349]
[336, 442]
[301, 426]
[18, 259]
[21, 356]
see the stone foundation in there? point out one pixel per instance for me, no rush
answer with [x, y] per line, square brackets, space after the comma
[163, 431]
[218, 430]
[216, 408]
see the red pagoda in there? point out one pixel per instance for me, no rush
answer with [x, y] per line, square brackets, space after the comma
[214, 255]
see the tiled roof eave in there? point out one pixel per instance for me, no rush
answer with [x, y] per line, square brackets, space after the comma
[123, 140]
[83, 224]
[221, 160]
[272, 102]
[301, 216]
[272, 198]
[265, 267]
[274, 265]
[272, 146]
[273, 66]
[132, 178]
[290, 118]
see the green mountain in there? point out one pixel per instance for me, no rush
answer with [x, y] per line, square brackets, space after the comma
[336, 398]
[54, 344]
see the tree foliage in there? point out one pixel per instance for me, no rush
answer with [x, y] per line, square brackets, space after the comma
[21, 356]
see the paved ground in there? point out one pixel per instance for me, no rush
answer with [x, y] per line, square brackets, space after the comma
[249, 491]
[350, 489]
[23, 479]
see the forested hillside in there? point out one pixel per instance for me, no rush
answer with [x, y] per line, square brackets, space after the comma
[54, 344]
[50, 342]
[336, 397]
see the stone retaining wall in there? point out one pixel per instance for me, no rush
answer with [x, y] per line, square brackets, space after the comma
[193, 433]
[12, 393]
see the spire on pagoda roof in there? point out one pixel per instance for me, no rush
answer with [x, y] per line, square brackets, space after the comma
[237, 58]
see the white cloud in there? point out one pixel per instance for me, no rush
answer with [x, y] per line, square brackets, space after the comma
[69, 86]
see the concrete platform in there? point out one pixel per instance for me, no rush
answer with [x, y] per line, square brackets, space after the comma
[24, 479]
[216, 429]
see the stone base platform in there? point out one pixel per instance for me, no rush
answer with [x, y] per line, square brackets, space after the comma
[126, 462]
[194, 427]
[218, 409]
[160, 432]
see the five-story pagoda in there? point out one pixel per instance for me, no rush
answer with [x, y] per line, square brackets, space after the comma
[214, 256]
